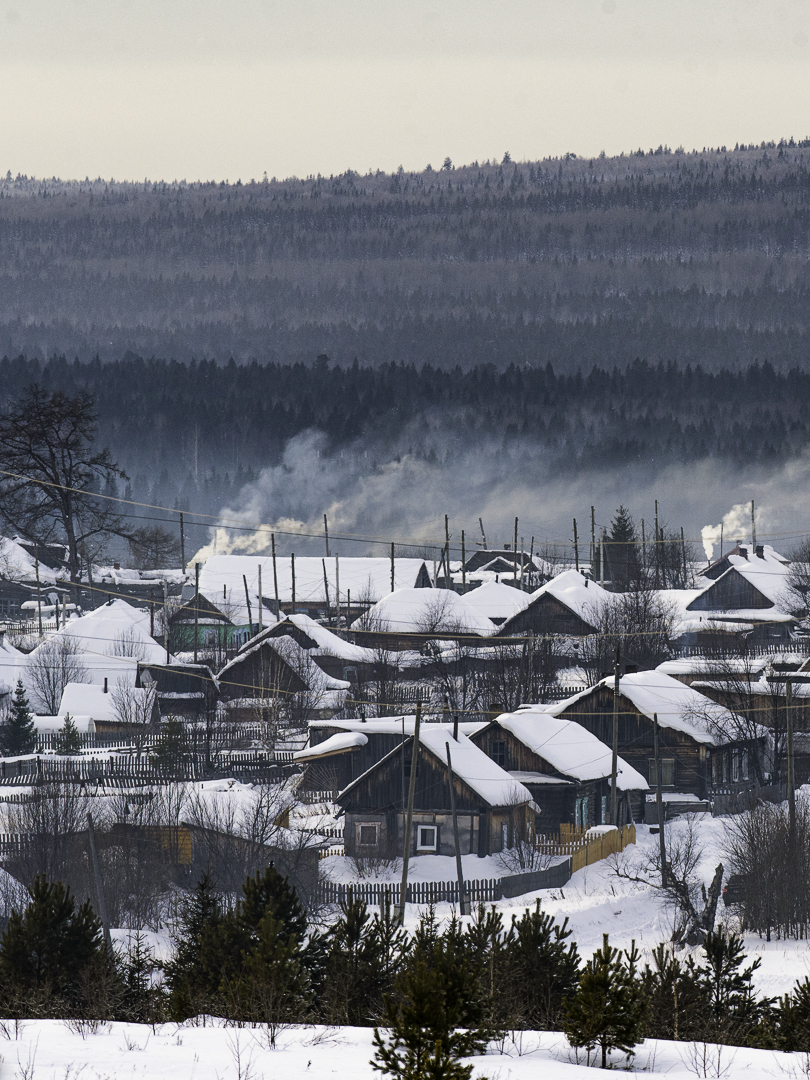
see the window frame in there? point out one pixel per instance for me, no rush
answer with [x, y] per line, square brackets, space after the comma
[359, 826]
[668, 766]
[427, 847]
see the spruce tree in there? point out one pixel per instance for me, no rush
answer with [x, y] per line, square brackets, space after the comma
[191, 988]
[18, 735]
[607, 1010]
[621, 551]
[677, 999]
[543, 968]
[68, 741]
[793, 1019]
[733, 1010]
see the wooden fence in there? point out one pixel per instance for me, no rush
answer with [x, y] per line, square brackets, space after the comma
[43, 768]
[584, 848]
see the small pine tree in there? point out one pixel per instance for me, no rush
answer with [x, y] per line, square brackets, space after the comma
[733, 1010]
[543, 966]
[171, 747]
[18, 735]
[68, 741]
[793, 1019]
[608, 1008]
[190, 990]
[677, 1001]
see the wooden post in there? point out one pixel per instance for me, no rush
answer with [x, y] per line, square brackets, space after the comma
[576, 548]
[326, 589]
[615, 759]
[275, 575]
[659, 802]
[656, 549]
[602, 558]
[753, 531]
[247, 601]
[102, 905]
[39, 595]
[166, 617]
[463, 565]
[459, 869]
[483, 534]
[435, 579]
[447, 582]
[515, 550]
[326, 534]
[643, 547]
[522, 560]
[196, 607]
[182, 545]
[337, 587]
[683, 551]
[531, 560]
[406, 851]
[392, 566]
[152, 613]
[292, 569]
[261, 600]
[791, 780]
[721, 539]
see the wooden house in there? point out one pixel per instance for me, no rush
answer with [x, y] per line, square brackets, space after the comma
[694, 731]
[186, 692]
[215, 629]
[407, 619]
[338, 658]
[499, 560]
[565, 606]
[493, 809]
[565, 767]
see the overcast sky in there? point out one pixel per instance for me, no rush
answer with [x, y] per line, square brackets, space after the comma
[177, 89]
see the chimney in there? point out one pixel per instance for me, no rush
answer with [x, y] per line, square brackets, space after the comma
[2, 638]
[105, 684]
[455, 726]
[760, 550]
[744, 552]
[586, 582]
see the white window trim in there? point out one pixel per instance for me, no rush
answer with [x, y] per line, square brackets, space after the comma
[360, 825]
[427, 847]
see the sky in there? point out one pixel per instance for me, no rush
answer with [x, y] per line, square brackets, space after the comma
[170, 89]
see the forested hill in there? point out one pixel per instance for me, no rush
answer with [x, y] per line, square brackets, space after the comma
[668, 256]
[191, 435]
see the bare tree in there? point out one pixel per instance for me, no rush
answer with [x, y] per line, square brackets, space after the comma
[154, 548]
[51, 822]
[51, 667]
[135, 709]
[639, 622]
[128, 643]
[797, 581]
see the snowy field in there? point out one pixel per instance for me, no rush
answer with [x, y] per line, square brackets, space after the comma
[54, 1050]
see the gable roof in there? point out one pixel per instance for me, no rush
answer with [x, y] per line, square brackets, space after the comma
[470, 764]
[87, 699]
[568, 747]
[325, 642]
[678, 706]
[297, 659]
[766, 573]
[494, 600]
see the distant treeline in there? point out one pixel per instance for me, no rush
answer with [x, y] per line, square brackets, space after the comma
[190, 435]
[698, 258]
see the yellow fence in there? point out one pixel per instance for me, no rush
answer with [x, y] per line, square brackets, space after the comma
[584, 849]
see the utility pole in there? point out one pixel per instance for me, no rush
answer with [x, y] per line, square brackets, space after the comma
[522, 561]
[721, 539]
[791, 782]
[275, 576]
[337, 587]
[659, 803]
[326, 534]
[292, 571]
[151, 613]
[753, 531]
[326, 590]
[39, 595]
[602, 558]
[576, 548]
[656, 549]
[483, 534]
[392, 566]
[196, 608]
[182, 545]
[447, 582]
[459, 870]
[261, 601]
[102, 905]
[615, 759]
[515, 548]
[166, 618]
[463, 565]
[593, 538]
[643, 547]
[683, 551]
[531, 560]
[247, 601]
[406, 849]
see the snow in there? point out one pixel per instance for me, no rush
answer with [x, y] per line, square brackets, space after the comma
[390, 725]
[570, 588]
[704, 665]
[17, 565]
[569, 747]
[368, 579]
[335, 744]
[328, 643]
[297, 658]
[769, 575]
[51, 725]
[414, 611]
[115, 634]
[88, 699]
[678, 707]
[494, 600]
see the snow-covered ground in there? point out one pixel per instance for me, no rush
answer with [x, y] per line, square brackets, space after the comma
[54, 1050]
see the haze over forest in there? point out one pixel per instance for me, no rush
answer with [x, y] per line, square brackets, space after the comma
[458, 313]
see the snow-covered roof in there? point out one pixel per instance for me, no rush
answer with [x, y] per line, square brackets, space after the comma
[368, 579]
[703, 665]
[494, 600]
[341, 743]
[767, 574]
[583, 596]
[389, 725]
[88, 699]
[424, 611]
[116, 629]
[17, 565]
[478, 771]
[328, 643]
[293, 655]
[52, 725]
[12, 665]
[569, 747]
[678, 707]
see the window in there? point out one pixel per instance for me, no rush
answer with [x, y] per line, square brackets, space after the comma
[735, 766]
[368, 834]
[504, 836]
[604, 820]
[497, 751]
[426, 837]
[715, 769]
[667, 772]
[744, 764]
[581, 813]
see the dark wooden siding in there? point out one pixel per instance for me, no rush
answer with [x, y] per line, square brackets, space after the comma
[546, 615]
[731, 592]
